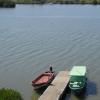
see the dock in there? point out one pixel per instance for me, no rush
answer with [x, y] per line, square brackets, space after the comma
[57, 87]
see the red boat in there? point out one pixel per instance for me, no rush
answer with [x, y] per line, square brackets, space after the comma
[43, 80]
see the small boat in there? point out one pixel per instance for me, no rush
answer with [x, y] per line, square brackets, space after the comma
[43, 80]
[78, 79]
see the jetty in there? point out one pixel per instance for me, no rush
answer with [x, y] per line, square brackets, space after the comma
[57, 87]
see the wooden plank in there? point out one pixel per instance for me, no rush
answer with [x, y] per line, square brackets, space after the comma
[57, 87]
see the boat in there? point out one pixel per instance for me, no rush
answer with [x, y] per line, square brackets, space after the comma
[43, 80]
[78, 79]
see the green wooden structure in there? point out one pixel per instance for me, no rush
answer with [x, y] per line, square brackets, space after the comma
[78, 78]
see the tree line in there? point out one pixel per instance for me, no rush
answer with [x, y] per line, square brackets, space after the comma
[7, 3]
[59, 1]
[12, 3]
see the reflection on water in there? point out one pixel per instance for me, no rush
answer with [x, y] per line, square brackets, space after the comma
[91, 88]
[37, 93]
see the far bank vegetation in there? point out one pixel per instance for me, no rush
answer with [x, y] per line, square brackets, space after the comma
[12, 3]
[7, 3]
[58, 1]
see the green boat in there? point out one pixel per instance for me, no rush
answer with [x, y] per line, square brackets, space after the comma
[78, 79]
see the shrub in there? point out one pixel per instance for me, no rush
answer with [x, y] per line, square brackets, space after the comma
[94, 2]
[9, 94]
[7, 3]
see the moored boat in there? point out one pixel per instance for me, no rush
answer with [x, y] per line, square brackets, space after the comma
[43, 80]
[78, 79]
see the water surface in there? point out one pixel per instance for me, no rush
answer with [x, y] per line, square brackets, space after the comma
[34, 36]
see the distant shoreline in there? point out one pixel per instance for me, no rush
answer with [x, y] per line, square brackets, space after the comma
[62, 3]
[94, 2]
[12, 4]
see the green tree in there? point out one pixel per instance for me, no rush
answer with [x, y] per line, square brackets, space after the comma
[7, 3]
[95, 2]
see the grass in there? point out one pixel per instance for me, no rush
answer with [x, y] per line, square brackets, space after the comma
[9, 94]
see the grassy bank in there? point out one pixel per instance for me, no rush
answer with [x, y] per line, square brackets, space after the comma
[9, 94]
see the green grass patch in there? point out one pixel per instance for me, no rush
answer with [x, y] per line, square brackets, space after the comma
[9, 94]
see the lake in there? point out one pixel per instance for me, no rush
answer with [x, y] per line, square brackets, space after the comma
[34, 36]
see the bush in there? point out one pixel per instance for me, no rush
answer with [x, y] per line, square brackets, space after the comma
[94, 2]
[9, 94]
[7, 3]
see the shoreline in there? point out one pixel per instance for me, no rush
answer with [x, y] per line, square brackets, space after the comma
[14, 5]
[60, 3]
